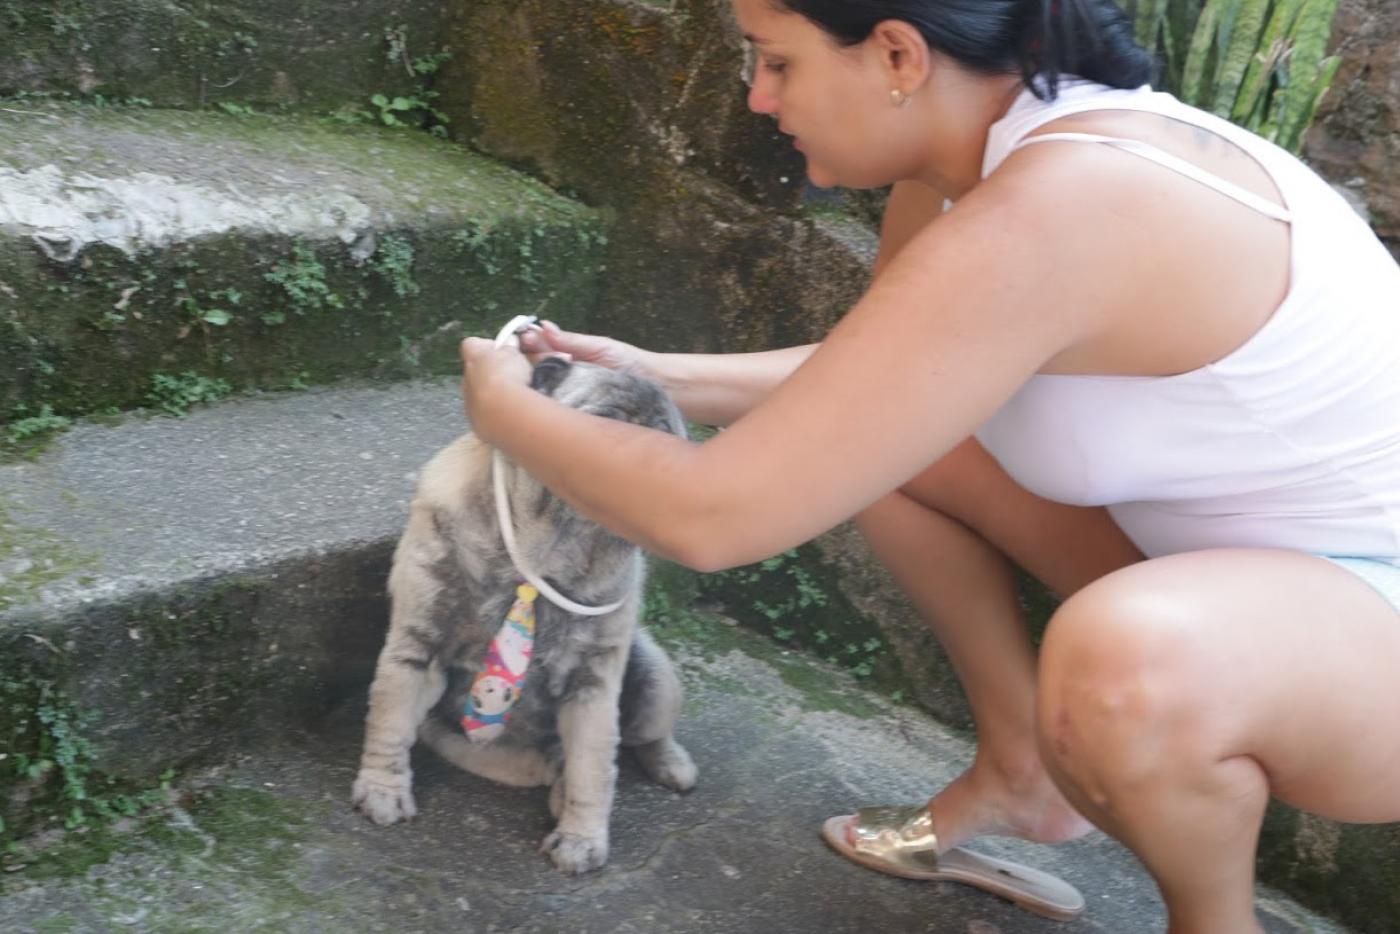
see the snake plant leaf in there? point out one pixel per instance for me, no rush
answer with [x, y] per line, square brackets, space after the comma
[1305, 68]
[1177, 30]
[1273, 46]
[1150, 19]
[1237, 54]
[1327, 71]
[1203, 40]
[1252, 100]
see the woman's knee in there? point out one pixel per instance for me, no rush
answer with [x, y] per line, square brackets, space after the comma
[1118, 694]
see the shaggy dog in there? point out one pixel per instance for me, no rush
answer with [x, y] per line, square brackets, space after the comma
[592, 682]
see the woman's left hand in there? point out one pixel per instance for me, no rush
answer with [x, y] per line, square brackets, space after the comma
[486, 370]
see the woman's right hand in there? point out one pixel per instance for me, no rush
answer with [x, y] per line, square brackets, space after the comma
[550, 340]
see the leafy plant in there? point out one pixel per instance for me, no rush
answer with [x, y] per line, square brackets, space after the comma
[175, 394]
[303, 278]
[416, 109]
[411, 111]
[1260, 63]
[394, 261]
[50, 758]
[25, 434]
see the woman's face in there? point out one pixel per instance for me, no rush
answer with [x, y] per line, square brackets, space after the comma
[833, 101]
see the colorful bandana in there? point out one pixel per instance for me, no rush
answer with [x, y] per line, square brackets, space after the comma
[497, 687]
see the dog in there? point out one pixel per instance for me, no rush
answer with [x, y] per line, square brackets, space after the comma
[593, 682]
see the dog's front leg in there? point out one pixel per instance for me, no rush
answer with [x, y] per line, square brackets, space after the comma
[406, 685]
[588, 729]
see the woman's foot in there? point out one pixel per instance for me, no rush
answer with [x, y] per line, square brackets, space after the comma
[1022, 803]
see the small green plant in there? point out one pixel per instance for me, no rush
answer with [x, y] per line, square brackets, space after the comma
[303, 278]
[29, 432]
[52, 761]
[216, 317]
[478, 241]
[412, 111]
[175, 394]
[417, 108]
[1259, 63]
[99, 100]
[237, 110]
[394, 261]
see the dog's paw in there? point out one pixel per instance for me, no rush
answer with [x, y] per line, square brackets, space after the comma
[668, 764]
[384, 797]
[676, 769]
[575, 852]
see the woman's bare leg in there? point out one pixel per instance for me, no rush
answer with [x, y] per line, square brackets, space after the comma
[1178, 694]
[944, 537]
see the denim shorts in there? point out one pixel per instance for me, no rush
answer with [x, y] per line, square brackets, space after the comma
[1383, 576]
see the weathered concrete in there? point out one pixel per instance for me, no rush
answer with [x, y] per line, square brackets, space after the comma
[710, 250]
[1356, 140]
[303, 54]
[178, 578]
[264, 251]
[265, 840]
[188, 585]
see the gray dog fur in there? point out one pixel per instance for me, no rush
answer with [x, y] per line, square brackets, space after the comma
[593, 682]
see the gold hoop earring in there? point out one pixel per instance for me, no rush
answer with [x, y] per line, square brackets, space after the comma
[898, 98]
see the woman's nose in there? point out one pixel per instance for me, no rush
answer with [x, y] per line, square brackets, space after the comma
[762, 94]
[762, 100]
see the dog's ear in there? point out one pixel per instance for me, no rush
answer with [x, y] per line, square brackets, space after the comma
[549, 373]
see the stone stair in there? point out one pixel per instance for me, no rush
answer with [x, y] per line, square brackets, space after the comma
[258, 250]
[205, 594]
[193, 202]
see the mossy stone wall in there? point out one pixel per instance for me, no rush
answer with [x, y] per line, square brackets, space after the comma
[301, 54]
[1356, 140]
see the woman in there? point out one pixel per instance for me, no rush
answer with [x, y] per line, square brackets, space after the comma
[1155, 362]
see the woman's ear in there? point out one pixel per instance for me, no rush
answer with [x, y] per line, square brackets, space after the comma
[903, 53]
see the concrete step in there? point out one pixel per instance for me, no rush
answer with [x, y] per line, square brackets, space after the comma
[205, 594]
[219, 251]
[265, 840]
[179, 581]
[305, 54]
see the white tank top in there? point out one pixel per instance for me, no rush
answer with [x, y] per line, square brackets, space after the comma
[1290, 441]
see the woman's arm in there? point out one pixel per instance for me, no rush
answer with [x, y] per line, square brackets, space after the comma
[713, 389]
[718, 389]
[970, 308]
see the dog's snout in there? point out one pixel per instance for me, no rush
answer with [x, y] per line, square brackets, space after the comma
[548, 374]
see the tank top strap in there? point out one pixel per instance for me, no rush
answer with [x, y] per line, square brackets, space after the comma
[1167, 160]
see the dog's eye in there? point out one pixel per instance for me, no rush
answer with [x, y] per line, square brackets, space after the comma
[548, 374]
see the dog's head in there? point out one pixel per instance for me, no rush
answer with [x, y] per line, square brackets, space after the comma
[577, 549]
[617, 394]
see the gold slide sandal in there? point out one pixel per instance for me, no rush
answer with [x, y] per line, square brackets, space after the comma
[900, 841]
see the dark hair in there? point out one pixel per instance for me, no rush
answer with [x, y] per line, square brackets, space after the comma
[1040, 39]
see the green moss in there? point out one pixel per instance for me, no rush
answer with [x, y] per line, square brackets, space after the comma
[197, 54]
[672, 617]
[250, 310]
[240, 830]
[31, 558]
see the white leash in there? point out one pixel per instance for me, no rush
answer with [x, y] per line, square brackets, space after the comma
[509, 335]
